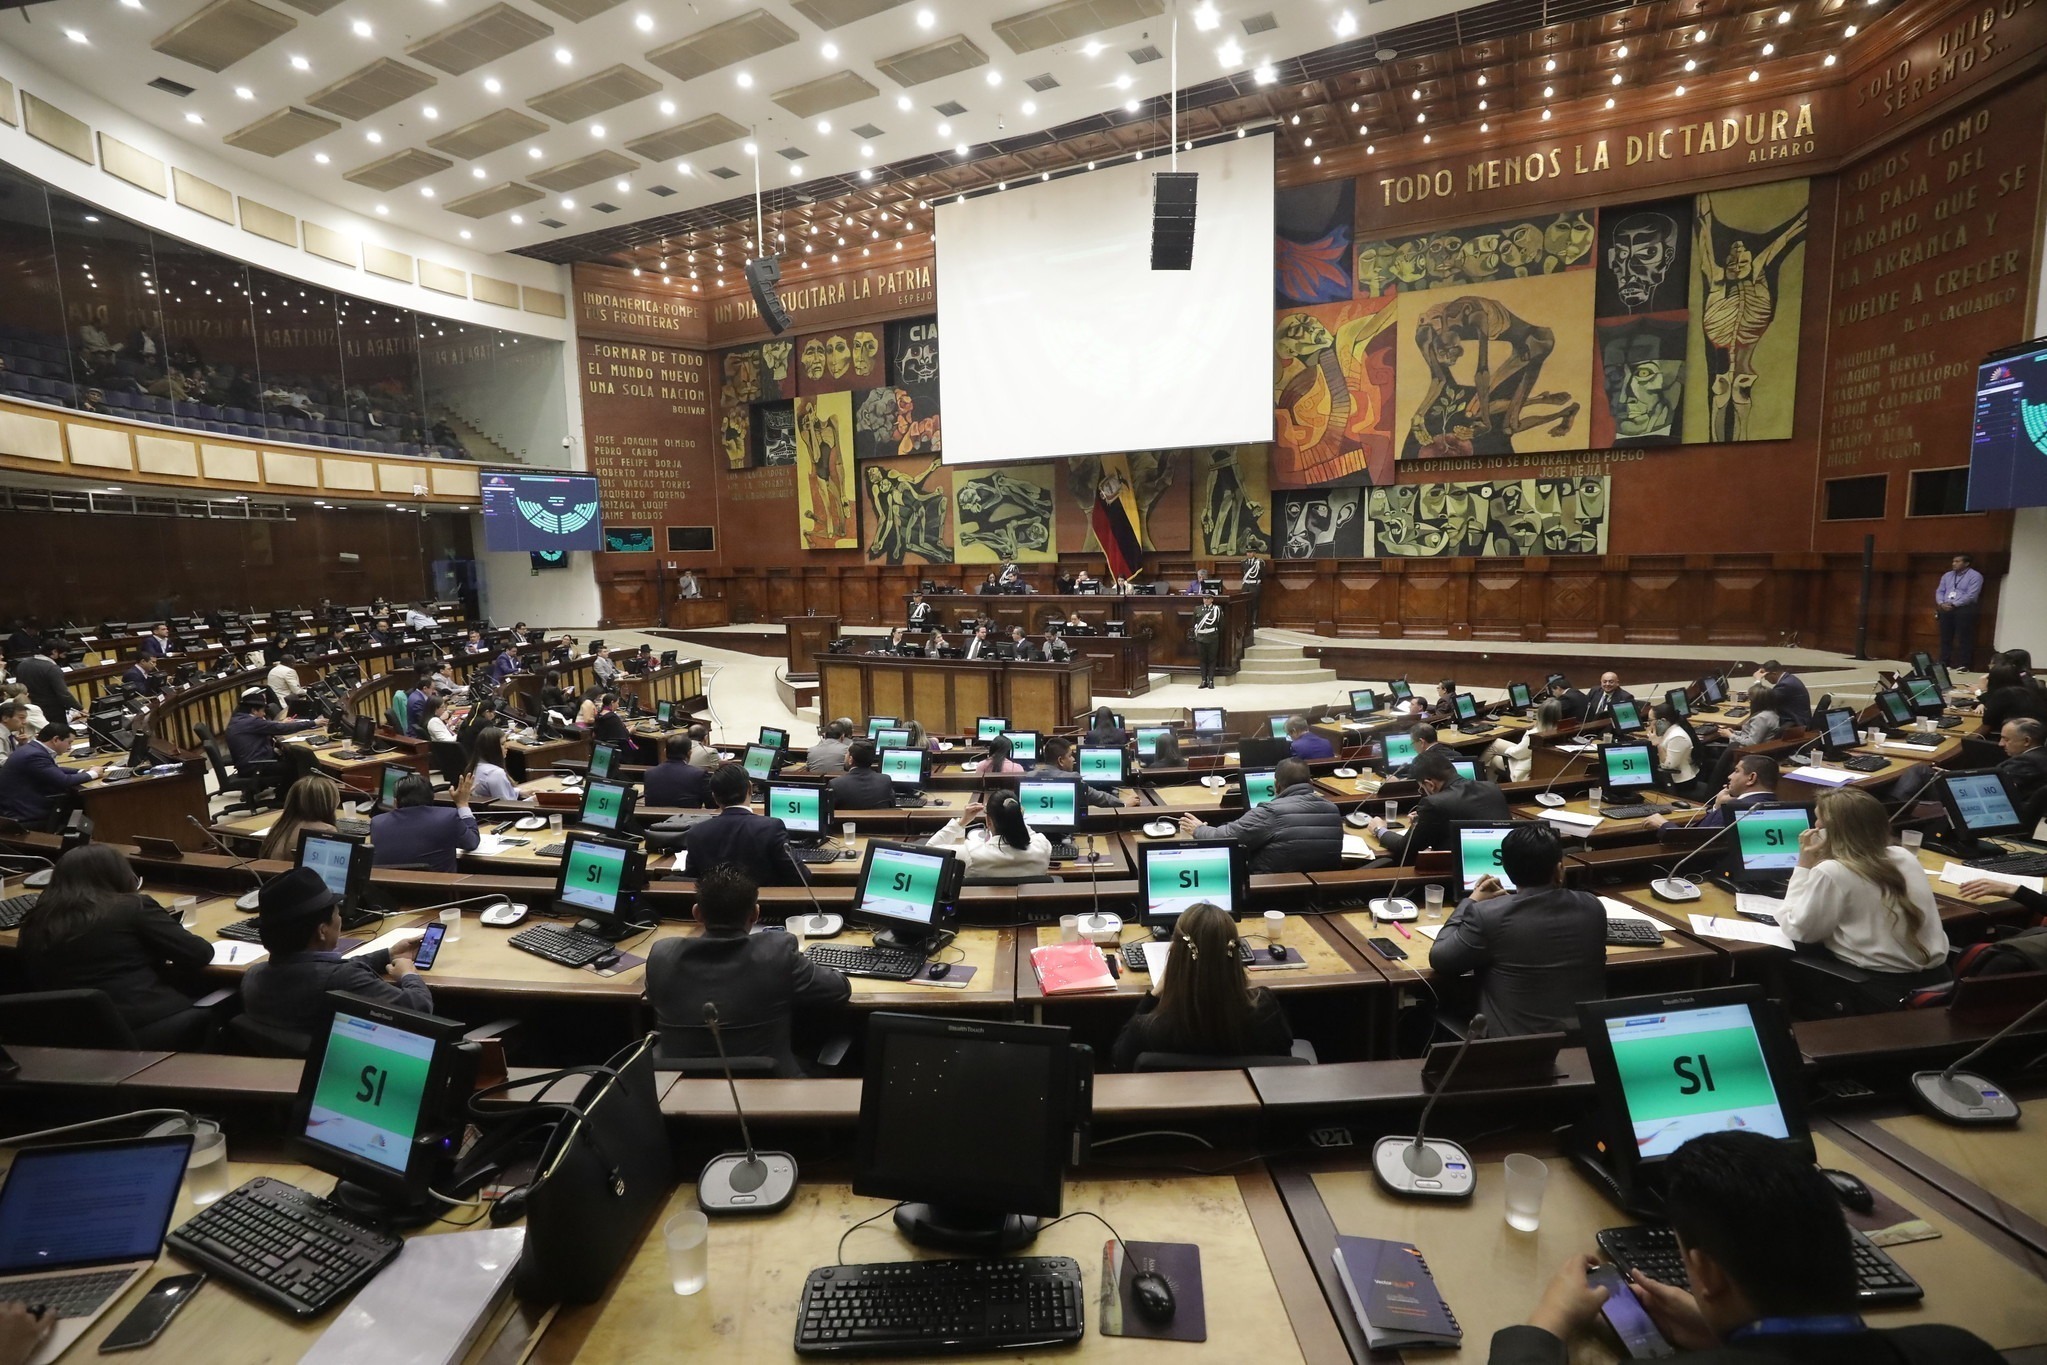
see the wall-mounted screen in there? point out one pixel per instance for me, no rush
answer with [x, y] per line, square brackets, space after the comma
[540, 512]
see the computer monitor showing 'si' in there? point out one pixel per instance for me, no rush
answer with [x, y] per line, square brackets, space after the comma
[602, 757]
[607, 806]
[381, 1091]
[1476, 844]
[1023, 745]
[892, 737]
[1148, 737]
[596, 880]
[343, 864]
[1466, 705]
[903, 767]
[1178, 876]
[1208, 720]
[1712, 690]
[1766, 837]
[1678, 701]
[1669, 1068]
[987, 727]
[1895, 705]
[1009, 1100]
[1518, 696]
[1363, 701]
[876, 724]
[1629, 766]
[1626, 716]
[774, 738]
[1101, 766]
[804, 808]
[1050, 805]
[1260, 786]
[1981, 804]
[760, 761]
[902, 890]
[1399, 752]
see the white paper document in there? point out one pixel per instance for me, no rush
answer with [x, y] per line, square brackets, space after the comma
[228, 952]
[1354, 846]
[1758, 905]
[1621, 910]
[1832, 777]
[1572, 820]
[389, 939]
[1740, 931]
[1956, 874]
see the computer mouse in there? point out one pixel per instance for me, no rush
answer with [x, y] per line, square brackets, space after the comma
[604, 961]
[1277, 952]
[1152, 1296]
[1852, 1193]
[940, 970]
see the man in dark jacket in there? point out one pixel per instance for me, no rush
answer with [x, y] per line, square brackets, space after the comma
[1771, 1267]
[757, 981]
[862, 786]
[44, 680]
[251, 740]
[1445, 797]
[2025, 762]
[757, 845]
[677, 782]
[300, 923]
[1794, 702]
[32, 783]
[417, 833]
[1752, 782]
[1538, 949]
[1298, 830]
[1599, 706]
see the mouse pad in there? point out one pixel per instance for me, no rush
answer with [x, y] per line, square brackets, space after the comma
[626, 962]
[1289, 959]
[1180, 1263]
[955, 979]
[1890, 1223]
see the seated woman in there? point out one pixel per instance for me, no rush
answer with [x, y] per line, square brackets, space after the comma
[1102, 730]
[90, 930]
[918, 739]
[1207, 1004]
[1517, 760]
[1866, 900]
[487, 763]
[1165, 753]
[309, 807]
[1674, 744]
[436, 728]
[1007, 847]
[998, 760]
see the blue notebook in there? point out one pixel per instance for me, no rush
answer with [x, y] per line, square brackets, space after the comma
[1394, 1295]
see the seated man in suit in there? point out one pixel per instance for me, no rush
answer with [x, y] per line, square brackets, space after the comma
[1305, 743]
[1771, 1267]
[1752, 783]
[33, 785]
[2025, 760]
[506, 663]
[1445, 797]
[421, 834]
[980, 646]
[251, 740]
[158, 644]
[1537, 950]
[827, 757]
[757, 845]
[757, 981]
[610, 726]
[1573, 700]
[1298, 830]
[415, 706]
[862, 786]
[1599, 706]
[1057, 758]
[299, 920]
[143, 678]
[677, 782]
[1794, 702]
[1021, 647]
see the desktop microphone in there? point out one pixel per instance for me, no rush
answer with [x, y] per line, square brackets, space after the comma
[749, 1182]
[35, 880]
[248, 899]
[1429, 1168]
[1674, 888]
[1097, 923]
[1964, 1098]
[817, 924]
[1546, 797]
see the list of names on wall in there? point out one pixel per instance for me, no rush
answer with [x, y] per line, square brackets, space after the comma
[646, 410]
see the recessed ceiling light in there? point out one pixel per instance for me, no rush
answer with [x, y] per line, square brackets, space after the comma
[925, 18]
[1295, 120]
[831, 51]
[623, 186]
[1415, 94]
[382, 209]
[1369, 148]
[994, 78]
[1616, 78]
[1481, 81]
[322, 158]
[682, 168]
[568, 203]
[476, 172]
[867, 173]
[1230, 54]
[1482, 105]
[564, 56]
[1130, 106]
[1485, 127]
[1265, 75]
[431, 112]
[1545, 116]
[866, 149]
[1849, 31]
[533, 152]
[1091, 49]
[1346, 24]
[644, 22]
[1307, 142]
[596, 130]
[518, 220]
[361, 28]
[1123, 81]
[668, 106]
[1548, 91]
[301, 64]
[1621, 51]
[1680, 90]
[751, 149]
[374, 136]
[945, 130]
[1609, 101]
[1755, 75]
[745, 80]
[132, 4]
[960, 149]
[1829, 61]
[1783, 16]
[194, 117]
[1205, 16]
[1030, 107]
[1699, 36]
[1769, 49]
[493, 84]
[1421, 118]
[1691, 65]
[796, 168]
[903, 102]
[1550, 65]
[824, 125]
[243, 92]
[426, 191]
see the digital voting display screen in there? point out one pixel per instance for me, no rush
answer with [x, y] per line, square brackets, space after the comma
[2008, 442]
[541, 512]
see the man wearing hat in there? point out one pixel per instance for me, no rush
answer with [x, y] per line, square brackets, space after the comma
[252, 741]
[299, 921]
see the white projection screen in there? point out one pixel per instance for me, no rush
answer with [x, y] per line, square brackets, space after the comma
[1056, 336]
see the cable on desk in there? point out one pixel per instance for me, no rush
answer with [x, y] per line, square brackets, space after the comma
[1152, 1132]
[840, 1255]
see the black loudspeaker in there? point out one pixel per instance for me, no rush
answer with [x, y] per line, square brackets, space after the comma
[762, 276]
[1172, 220]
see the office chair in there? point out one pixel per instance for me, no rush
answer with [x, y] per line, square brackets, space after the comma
[251, 1038]
[232, 783]
[1303, 1054]
[449, 760]
[1009, 879]
[84, 1018]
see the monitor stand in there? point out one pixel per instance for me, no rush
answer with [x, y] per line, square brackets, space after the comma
[1968, 847]
[972, 1230]
[923, 943]
[384, 1210]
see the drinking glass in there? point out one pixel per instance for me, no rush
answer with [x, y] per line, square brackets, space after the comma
[1432, 897]
[206, 1177]
[1527, 1178]
[687, 1235]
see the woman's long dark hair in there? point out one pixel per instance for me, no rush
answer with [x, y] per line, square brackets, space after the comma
[1205, 1002]
[998, 754]
[489, 748]
[1665, 711]
[1006, 820]
[88, 884]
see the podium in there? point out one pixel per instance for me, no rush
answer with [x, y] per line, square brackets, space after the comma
[809, 636]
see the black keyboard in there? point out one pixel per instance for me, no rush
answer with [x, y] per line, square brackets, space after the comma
[1735, 712]
[1948, 722]
[355, 829]
[1473, 727]
[14, 908]
[911, 803]
[1133, 955]
[886, 964]
[1068, 852]
[551, 850]
[814, 855]
[68, 1296]
[1918, 740]
[1653, 1251]
[1866, 763]
[949, 1307]
[291, 1249]
[244, 930]
[566, 946]
[1632, 933]
[2015, 864]
[1636, 812]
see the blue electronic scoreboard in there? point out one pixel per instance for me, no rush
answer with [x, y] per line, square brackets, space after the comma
[545, 512]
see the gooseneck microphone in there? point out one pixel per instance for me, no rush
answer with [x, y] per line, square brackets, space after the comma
[1429, 1168]
[749, 1181]
[817, 924]
[248, 900]
[1109, 926]
[34, 880]
[1676, 889]
[1964, 1098]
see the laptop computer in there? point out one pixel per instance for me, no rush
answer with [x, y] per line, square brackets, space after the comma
[81, 1223]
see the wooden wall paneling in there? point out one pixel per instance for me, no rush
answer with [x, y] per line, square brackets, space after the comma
[821, 592]
[630, 598]
[1429, 602]
[783, 596]
[1652, 601]
[1297, 596]
[1573, 601]
[1735, 604]
[860, 599]
[1501, 598]
[745, 594]
[1365, 598]
[939, 692]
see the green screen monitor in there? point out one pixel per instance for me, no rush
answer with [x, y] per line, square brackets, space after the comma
[904, 768]
[760, 761]
[1023, 745]
[1465, 769]
[1399, 752]
[892, 737]
[1767, 836]
[387, 786]
[1925, 695]
[1102, 766]
[1148, 737]
[1626, 716]
[1896, 706]
[1400, 690]
[1713, 690]
[602, 757]
[1466, 706]
[1477, 846]
[381, 1091]
[1260, 786]
[804, 808]
[1363, 701]
[988, 727]
[1050, 805]
[607, 806]
[1279, 727]
[1177, 876]
[1518, 696]
[596, 880]
[1629, 766]
[664, 713]
[774, 738]
[876, 724]
[1679, 701]
[903, 889]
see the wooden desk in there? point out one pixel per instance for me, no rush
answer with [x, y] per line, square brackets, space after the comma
[807, 637]
[1609, 830]
[1164, 624]
[1794, 788]
[156, 806]
[949, 695]
[1998, 1172]
[1329, 964]
[1262, 1300]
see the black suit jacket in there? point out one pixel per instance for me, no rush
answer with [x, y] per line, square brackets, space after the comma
[1459, 800]
[755, 844]
[1930, 1344]
[2028, 772]
[680, 784]
[1599, 703]
[138, 955]
[756, 980]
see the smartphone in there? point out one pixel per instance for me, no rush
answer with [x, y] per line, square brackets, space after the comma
[1625, 1315]
[429, 946]
[146, 1320]
[1387, 948]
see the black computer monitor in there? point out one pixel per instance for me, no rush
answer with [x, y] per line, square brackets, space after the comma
[1465, 768]
[1465, 705]
[971, 1124]
[342, 862]
[1895, 705]
[1175, 877]
[1400, 690]
[774, 738]
[907, 890]
[1980, 805]
[608, 806]
[1519, 697]
[760, 761]
[891, 737]
[1278, 723]
[668, 658]
[1626, 716]
[380, 1105]
[1476, 846]
[1629, 767]
[1363, 701]
[1256, 786]
[1398, 752]
[988, 727]
[664, 713]
[602, 758]
[1922, 662]
[1678, 701]
[904, 767]
[1766, 838]
[1102, 765]
[1208, 720]
[1941, 678]
[598, 879]
[1924, 693]
[1713, 690]
[387, 785]
[876, 724]
[1837, 724]
[1668, 1068]
[1147, 740]
[1023, 745]
[1264, 753]
[1052, 805]
[804, 807]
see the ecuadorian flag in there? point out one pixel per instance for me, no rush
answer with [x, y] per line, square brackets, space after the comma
[1118, 524]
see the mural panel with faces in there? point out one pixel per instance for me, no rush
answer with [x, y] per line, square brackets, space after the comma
[1645, 258]
[842, 361]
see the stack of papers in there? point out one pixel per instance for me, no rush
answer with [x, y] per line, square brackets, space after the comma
[1573, 820]
[1740, 931]
[1620, 910]
[1354, 846]
[1832, 777]
[1958, 874]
